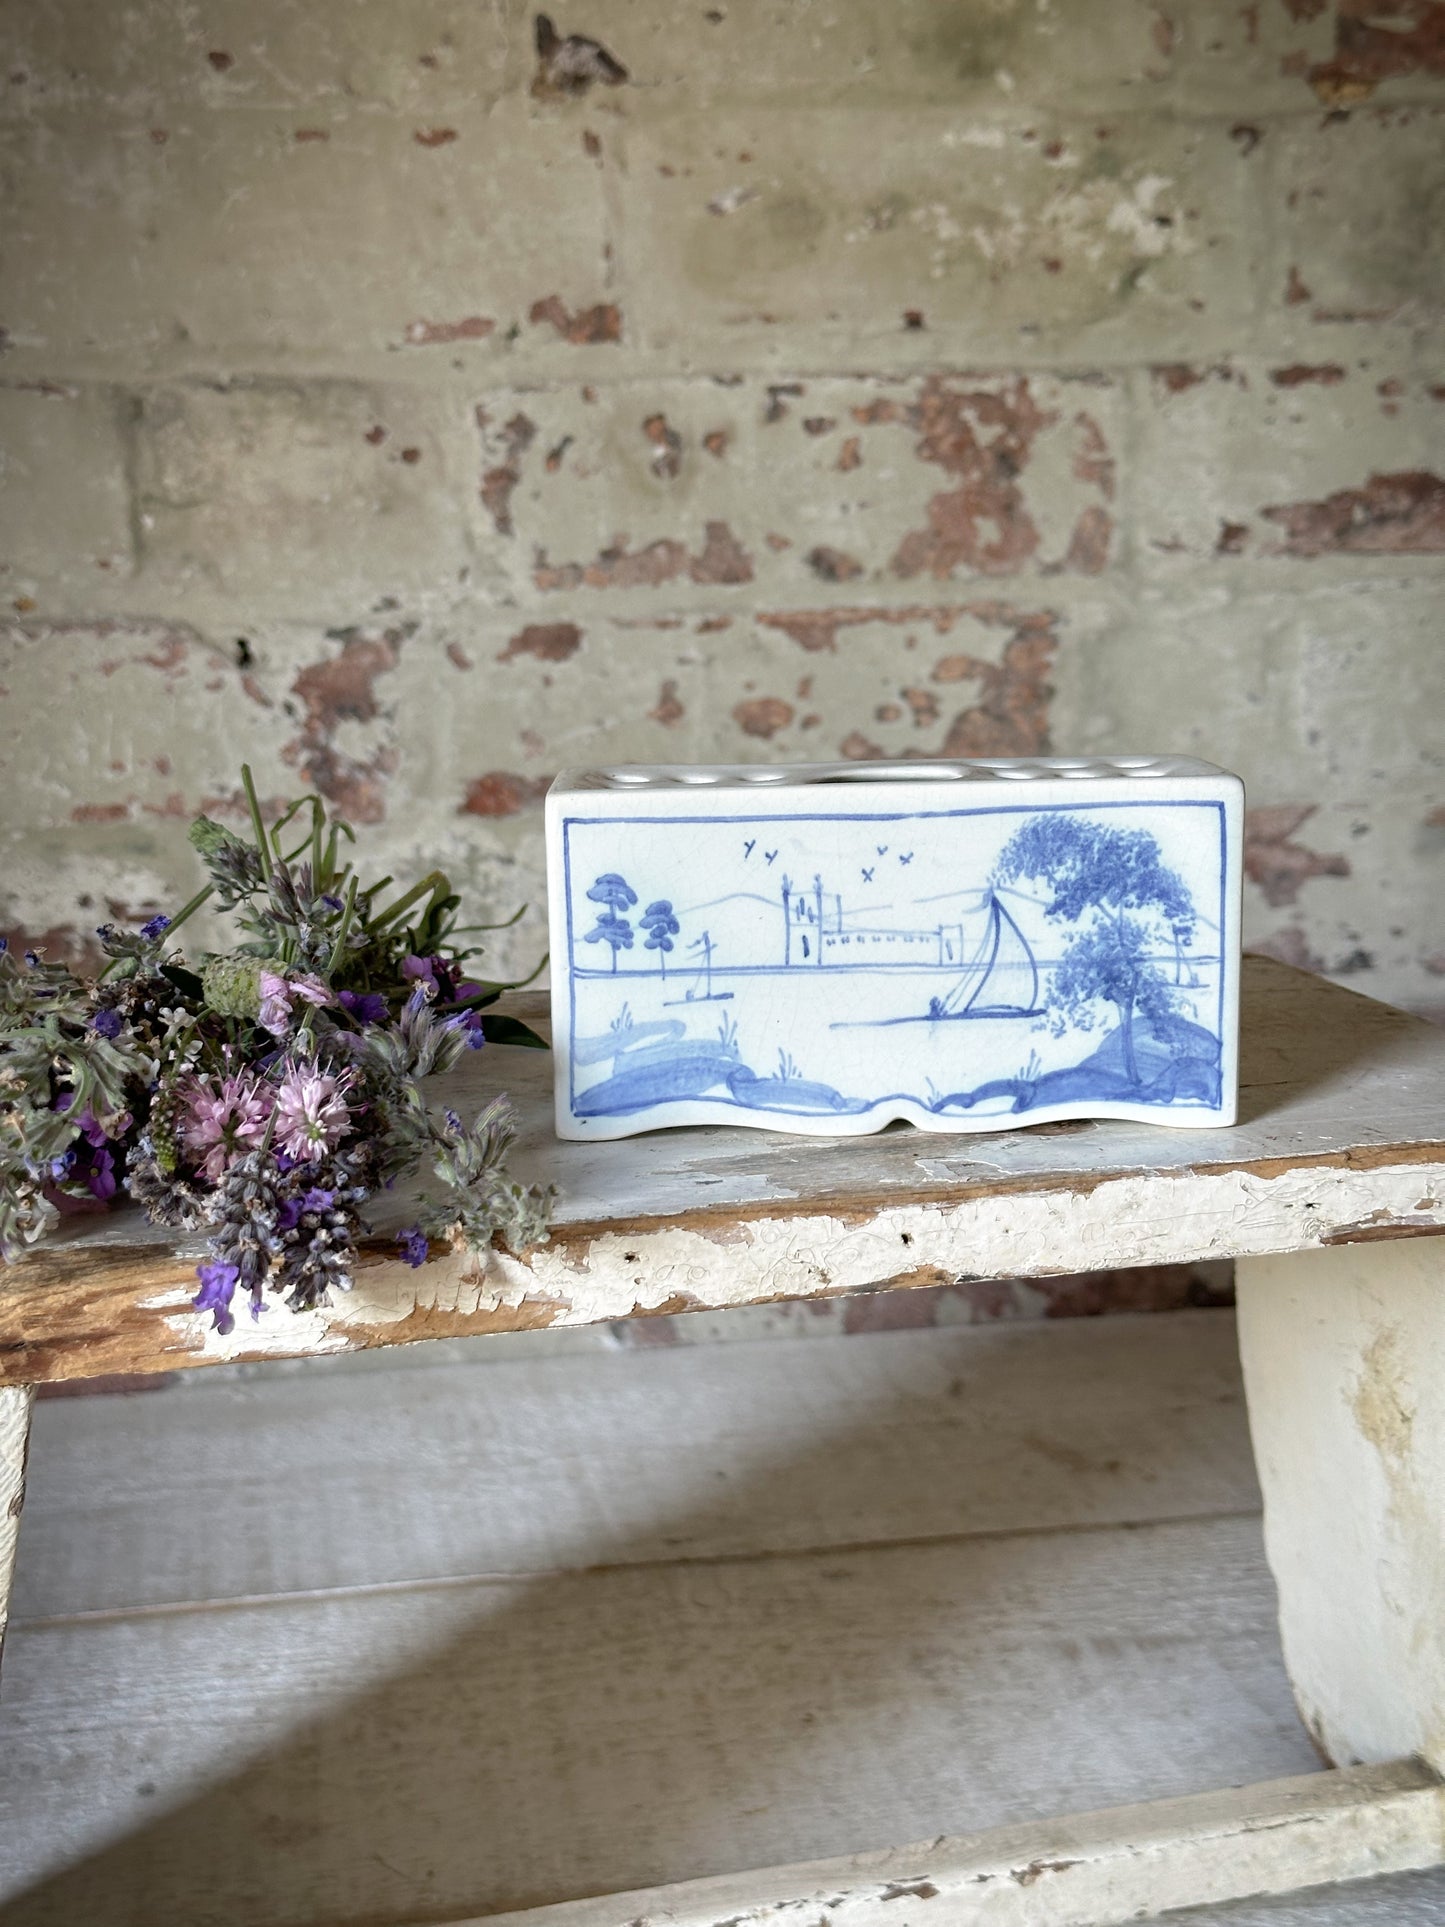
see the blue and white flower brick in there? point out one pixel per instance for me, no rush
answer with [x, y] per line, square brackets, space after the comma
[826, 947]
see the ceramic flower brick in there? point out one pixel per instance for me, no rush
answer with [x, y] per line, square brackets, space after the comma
[966, 945]
[266, 1093]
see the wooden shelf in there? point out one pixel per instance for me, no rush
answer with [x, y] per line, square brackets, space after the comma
[1341, 1138]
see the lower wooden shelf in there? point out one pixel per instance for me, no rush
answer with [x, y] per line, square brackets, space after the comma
[376, 1642]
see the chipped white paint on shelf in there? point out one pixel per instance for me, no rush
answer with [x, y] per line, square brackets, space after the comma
[1133, 1863]
[1124, 1222]
[1341, 1136]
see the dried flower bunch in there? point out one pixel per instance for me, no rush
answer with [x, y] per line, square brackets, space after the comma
[267, 1092]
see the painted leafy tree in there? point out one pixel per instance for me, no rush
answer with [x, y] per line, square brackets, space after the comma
[1114, 888]
[661, 927]
[616, 897]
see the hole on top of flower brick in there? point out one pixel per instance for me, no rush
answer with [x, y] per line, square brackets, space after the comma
[890, 773]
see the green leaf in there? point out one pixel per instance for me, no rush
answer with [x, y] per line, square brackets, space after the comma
[498, 1029]
[208, 836]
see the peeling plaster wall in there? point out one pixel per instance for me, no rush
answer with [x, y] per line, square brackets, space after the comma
[415, 416]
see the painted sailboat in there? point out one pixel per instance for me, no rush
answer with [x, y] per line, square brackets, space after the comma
[700, 991]
[1008, 967]
[1001, 979]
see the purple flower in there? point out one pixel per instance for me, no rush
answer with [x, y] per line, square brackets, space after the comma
[311, 1112]
[290, 1214]
[435, 973]
[157, 927]
[218, 1286]
[100, 1178]
[90, 1128]
[107, 1023]
[88, 1160]
[222, 1125]
[366, 1006]
[471, 1022]
[333, 903]
[413, 1246]
[276, 995]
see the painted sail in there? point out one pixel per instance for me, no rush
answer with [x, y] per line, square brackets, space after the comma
[1002, 979]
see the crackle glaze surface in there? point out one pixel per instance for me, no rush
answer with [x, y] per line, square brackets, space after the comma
[825, 949]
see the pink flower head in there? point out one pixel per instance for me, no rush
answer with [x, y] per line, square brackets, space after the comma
[221, 1126]
[276, 995]
[311, 1112]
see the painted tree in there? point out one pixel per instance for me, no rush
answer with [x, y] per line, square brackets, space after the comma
[661, 927]
[612, 928]
[1124, 903]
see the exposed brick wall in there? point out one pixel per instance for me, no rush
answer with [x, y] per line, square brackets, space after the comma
[885, 376]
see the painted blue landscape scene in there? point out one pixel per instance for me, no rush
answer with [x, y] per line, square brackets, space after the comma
[967, 964]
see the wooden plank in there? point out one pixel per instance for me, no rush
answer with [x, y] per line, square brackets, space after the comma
[1415, 1899]
[1343, 1355]
[429, 1752]
[1342, 1136]
[15, 1405]
[1099, 1868]
[631, 1458]
[385, 1745]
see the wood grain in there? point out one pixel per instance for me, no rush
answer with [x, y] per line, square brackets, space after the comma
[515, 1633]
[508, 1468]
[1342, 1136]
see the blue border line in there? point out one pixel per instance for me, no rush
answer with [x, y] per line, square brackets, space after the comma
[567, 823]
[1223, 958]
[879, 816]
